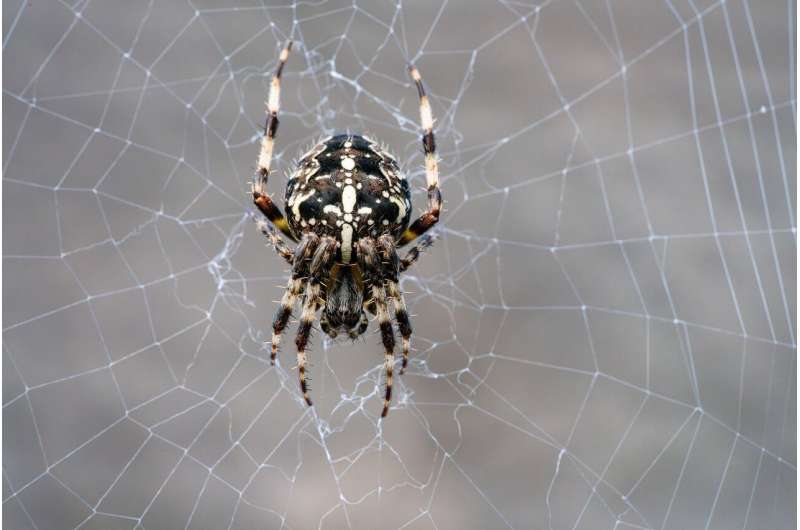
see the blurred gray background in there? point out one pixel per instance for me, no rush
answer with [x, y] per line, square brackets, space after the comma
[604, 332]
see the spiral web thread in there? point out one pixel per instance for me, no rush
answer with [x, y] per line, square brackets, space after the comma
[604, 331]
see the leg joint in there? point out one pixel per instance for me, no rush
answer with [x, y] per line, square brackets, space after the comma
[272, 125]
[429, 143]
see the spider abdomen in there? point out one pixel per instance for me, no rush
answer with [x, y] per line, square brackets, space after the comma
[347, 187]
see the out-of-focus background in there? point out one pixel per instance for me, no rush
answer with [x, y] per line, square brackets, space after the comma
[604, 332]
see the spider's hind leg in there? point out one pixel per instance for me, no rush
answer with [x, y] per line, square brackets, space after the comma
[428, 219]
[261, 198]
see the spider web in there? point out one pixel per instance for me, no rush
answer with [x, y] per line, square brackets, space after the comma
[604, 331]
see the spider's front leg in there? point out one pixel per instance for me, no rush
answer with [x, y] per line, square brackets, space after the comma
[321, 264]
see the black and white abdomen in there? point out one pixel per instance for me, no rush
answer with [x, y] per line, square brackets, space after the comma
[347, 187]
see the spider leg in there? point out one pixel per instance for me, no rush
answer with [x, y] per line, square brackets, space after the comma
[259, 187]
[294, 289]
[430, 217]
[277, 241]
[391, 270]
[387, 337]
[414, 252]
[403, 322]
[370, 260]
[321, 262]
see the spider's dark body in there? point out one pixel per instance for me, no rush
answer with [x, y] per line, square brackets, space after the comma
[348, 208]
[347, 187]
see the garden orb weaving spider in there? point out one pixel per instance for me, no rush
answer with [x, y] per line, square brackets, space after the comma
[348, 209]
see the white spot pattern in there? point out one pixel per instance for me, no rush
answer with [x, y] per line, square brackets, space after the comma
[296, 200]
[401, 208]
[332, 208]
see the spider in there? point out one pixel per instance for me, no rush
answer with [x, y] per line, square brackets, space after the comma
[348, 208]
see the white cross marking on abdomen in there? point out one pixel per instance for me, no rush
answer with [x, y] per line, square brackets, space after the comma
[348, 199]
[347, 241]
[348, 204]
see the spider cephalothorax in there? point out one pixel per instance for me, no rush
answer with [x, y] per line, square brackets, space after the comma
[348, 208]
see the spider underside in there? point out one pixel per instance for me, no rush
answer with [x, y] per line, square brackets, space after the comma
[348, 208]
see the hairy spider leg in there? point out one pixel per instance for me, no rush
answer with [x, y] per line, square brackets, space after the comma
[321, 262]
[401, 316]
[259, 187]
[278, 243]
[391, 270]
[424, 222]
[372, 266]
[414, 252]
[303, 252]
[387, 337]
